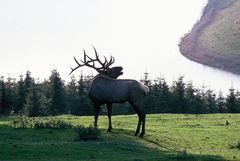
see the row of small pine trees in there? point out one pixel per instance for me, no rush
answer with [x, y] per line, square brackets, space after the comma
[53, 96]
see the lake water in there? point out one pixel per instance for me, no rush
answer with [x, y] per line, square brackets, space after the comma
[142, 35]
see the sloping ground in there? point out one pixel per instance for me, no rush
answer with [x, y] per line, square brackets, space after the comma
[215, 38]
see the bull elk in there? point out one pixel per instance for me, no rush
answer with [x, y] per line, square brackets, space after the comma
[107, 89]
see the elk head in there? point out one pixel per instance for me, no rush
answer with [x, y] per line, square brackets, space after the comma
[104, 68]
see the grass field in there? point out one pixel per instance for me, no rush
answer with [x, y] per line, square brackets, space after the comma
[168, 138]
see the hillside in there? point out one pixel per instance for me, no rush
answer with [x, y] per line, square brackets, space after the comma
[169, 137]
[215, 39]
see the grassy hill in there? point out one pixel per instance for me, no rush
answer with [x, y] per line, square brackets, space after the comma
[168, 138]
[215, 38]
[223, 35]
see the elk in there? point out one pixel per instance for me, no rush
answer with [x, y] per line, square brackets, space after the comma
[107, 89]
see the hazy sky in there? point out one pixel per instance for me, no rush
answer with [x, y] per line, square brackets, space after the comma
[39, 35]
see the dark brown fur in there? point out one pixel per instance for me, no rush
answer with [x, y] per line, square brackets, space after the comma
[106, 90]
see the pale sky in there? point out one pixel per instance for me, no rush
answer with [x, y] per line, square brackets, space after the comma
[142, 35]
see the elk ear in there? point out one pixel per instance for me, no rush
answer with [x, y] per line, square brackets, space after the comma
[103, 72]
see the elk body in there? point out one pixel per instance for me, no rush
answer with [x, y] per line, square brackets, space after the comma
[106, 89]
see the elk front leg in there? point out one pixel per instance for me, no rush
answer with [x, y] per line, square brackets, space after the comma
[143, 125]
[109, 108]
[97, 110]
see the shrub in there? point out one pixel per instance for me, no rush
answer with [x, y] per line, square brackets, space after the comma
[25, 122]
[22, 123]
[87, 133]
[52, 123]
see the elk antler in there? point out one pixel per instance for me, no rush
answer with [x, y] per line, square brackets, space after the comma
[90, 62]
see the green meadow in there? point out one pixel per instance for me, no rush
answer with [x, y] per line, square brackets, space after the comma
[168, 137]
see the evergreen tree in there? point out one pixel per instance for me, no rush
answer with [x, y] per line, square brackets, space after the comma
[85, 107]
[21, 95]
[238, 102]
[162, 96]
[10, 95]
[148, 103]
[200, 103]
[231, 101]
[23, 89]
[221, 103]
[178, 94]
[203, 96]
[45, 97]
[57, 91]
[191, 99]
[33, 101]
[72, 97]
[3, 101]
[28, 82]
[211, 101]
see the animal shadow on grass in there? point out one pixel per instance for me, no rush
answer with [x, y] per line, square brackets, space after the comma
[149, 149]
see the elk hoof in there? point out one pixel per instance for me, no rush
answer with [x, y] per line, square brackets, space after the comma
[141, 135]
[109, 130]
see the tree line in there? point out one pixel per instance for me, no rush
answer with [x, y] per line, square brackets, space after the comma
[30, 97]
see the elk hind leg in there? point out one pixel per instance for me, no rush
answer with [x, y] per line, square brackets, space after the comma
[97, 110]
[138, 126]
[141, 120]
[143, 124]
[109, 108]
